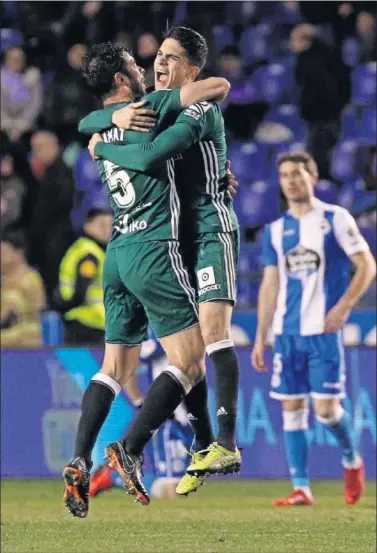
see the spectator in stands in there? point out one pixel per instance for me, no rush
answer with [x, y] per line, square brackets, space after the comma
[146, 50]
[242, 114]
[80, 293]
[50, 226]
[67, 99]
[21, 94]
[366, 30]
[22, 295]
[325, 89]
[12, 194]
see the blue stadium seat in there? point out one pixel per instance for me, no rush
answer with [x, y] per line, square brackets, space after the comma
[52, 329]
[350, 192]
[288, 116]
[351, 51]
[366, 133]
[283, 12]
[257, 204]
[273, 83]
[344, 161]
[222, 36]
[9, 38]
[257, 43]
[249, 161]
[364, 84]
[326, 191]
[350, 123]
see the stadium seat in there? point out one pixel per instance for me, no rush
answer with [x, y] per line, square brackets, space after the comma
[52, 329]
[344, 161]
[364, 84]
[9, 38]
[273, 83]
[257, 204]
[350, 192]
[249, 161]
[326, 191]
[257, 43]
[288, 116]
[366, 132]
[222, 36]
[351, 51]
[283, 12]
[350, 122]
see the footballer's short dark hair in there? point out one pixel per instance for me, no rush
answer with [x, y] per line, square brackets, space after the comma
[299, 157]
[96, 212]
[100, 64]
[194, 43]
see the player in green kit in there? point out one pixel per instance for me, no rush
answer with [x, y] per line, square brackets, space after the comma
[144, 280]
[209, 233]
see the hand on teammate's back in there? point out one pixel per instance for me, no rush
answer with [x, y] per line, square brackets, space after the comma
[232, 182]
[337, 316]
[133, 118]
[92, 144]
[257, 357]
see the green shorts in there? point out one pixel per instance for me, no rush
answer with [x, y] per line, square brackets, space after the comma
[146, 282]
[213, 259]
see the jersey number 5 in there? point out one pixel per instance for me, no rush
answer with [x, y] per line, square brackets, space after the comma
[120, 185]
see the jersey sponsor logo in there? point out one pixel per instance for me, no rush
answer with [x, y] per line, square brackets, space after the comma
[300, 262]
[125, 227]
[207, 281]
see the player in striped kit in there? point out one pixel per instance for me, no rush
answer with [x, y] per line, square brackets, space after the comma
[307, 294]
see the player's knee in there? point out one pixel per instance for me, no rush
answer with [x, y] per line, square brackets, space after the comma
[215, 331]
[326, 410]
[295, 420]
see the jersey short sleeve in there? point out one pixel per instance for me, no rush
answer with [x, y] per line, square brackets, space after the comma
[348, 234]
[269, 253]
[200, 117]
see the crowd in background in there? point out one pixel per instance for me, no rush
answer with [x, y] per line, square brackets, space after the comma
[293, 69]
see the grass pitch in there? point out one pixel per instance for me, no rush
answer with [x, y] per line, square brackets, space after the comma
[223, 517]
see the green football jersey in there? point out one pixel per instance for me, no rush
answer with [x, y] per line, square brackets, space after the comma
[197, 143]
[200, 174]
[146, 207]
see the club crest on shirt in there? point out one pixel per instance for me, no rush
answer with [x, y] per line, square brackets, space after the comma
[301, 262]
[325, 226]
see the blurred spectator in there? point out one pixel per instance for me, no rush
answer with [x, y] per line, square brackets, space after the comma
[325, 89]
[242, 114]
[146, 50]
[80, 292]
[51, 232]
[89, 190]
[21, 94]
[22, 295]
[366, 30]
[67, 99]
[89, 22]
[12, 194]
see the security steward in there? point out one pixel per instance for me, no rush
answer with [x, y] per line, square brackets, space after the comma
[80, 293]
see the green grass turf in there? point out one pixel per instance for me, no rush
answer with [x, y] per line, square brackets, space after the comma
[223, 517]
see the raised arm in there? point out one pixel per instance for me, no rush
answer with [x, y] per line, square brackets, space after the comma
[213, 88]
[145, 157]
